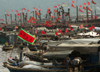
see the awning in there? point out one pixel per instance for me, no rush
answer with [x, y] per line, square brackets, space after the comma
[57, 55]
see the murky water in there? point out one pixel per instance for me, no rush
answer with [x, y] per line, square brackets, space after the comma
[4, 55]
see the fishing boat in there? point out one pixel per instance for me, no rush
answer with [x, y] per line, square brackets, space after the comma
[18, 69]
[88, 52]
[7, 47]
[61, 64]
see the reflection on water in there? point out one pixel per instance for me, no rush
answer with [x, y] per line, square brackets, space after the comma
[4, 56]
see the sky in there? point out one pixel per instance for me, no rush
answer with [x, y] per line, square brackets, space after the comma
[40, 4]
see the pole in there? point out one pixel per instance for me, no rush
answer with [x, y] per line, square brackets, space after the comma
[91, 12]
[40, 15]
[15, 19]
[62, 14]
[26, 17]
[95, 11]
[23, 17]
[77, 12]
[11, 18]
[87, 12]
[57, 13]
[35, 15]
[91, 15]
[6, 18]
[69, 13]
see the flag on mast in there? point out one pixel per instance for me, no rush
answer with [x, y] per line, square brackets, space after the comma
[25, 36]
[80, 10]
[73, 6]
[88, 3]
[93, 2]
[84, 7]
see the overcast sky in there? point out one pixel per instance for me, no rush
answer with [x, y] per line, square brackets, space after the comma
[40, 4]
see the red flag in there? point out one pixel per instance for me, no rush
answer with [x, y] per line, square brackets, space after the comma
[89, 9]
[16, 27]
[52, 16]
[28, 21]
[59, 18]
[58, 4]
[0, 28]
[32, 18]
[48, 25]
[69, 25]
[27, 10]
[97, 33]
[80, 10]
[37, 13]
[73, 6]
[42, 32]
[95, 16]
[81, 26]
[8, 14]
[93, 27]
[1, 19]
[90, 28]
[18, 14]
[34, 8]
[7, 11]
[39, 9]
[24, 8]
[35, 31]
[88, 3]
[56, 33]
[84, 7]
[60, 31]
[66, 30]
[26, 36]
[85, 20]
[93, 2]
[73, 2]
[33, 22]
[63, 3]
[17, 11]
[55, 10]
[48, 11]
[80, 6]
[71, 29]
[55, 7]
[84, 3]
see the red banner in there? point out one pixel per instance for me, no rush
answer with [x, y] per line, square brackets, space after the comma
[26, 36]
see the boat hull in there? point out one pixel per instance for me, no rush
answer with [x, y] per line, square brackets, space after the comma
[19, 69]
[7, 48]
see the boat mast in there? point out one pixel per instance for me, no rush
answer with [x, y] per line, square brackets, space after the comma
[87, 10]
[95, 10]
[77, 10]
[15, 18]
[6, 18]
[11, 18]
